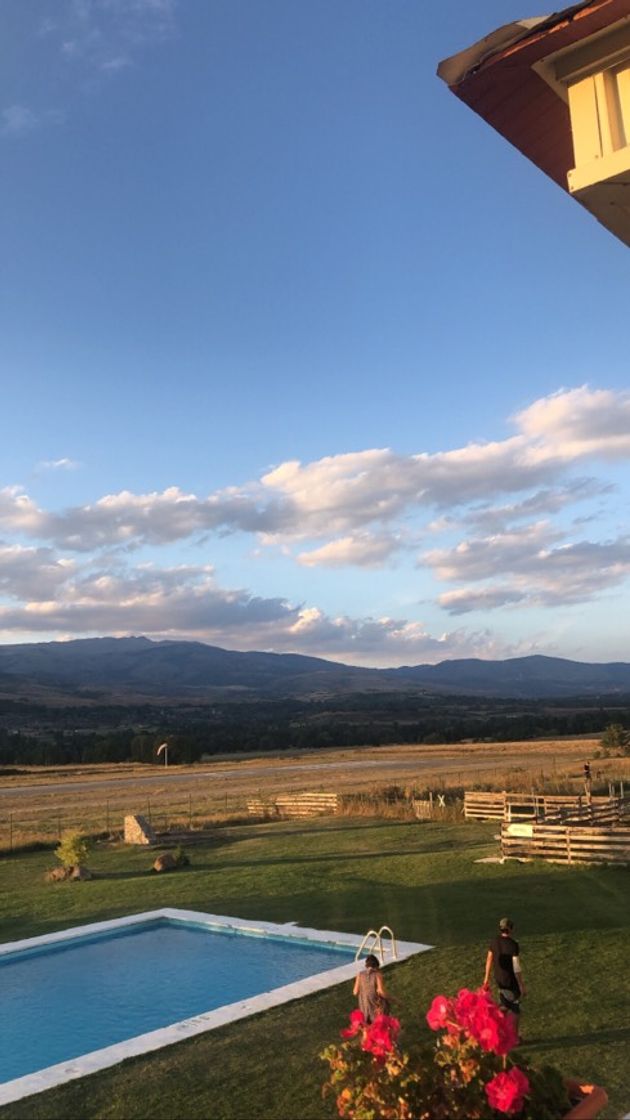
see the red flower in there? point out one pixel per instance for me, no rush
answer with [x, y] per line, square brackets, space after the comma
[506, 1091]
[492, 1028]
[466, 1004]
[380, 1036]
[485, 1029]
[440, 1011]
[357, 1022]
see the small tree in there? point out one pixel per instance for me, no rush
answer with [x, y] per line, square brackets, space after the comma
[616, 739]
[73, 848]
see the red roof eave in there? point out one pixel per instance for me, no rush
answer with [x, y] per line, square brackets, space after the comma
[503, 89]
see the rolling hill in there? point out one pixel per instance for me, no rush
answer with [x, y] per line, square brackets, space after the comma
[108, 668]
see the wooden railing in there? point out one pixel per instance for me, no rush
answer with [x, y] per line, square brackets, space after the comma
[560, 843]
[484, 806]
[294, 805]
[552, 809]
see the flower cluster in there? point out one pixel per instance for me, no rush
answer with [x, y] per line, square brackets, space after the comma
[377, 1038]
[507, 1090]
[467, 1074]
[475, 1014]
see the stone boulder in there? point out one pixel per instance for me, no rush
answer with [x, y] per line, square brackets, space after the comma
[81, 873]
[63, 874]
[166, 862]
[138, 830]
[58, 875]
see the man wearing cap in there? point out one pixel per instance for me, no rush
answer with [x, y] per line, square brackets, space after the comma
[503, 959]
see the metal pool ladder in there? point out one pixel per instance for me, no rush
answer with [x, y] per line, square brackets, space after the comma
[375, 945]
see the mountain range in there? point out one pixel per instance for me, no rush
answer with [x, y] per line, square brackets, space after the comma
[108, 670]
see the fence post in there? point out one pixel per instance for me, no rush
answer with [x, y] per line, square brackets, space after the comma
[190, 811]
[59, 824]
[107, 815]
[568, 839]
[10, 832]
[149, 809]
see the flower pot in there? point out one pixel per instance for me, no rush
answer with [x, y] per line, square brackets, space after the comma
[594, 1099]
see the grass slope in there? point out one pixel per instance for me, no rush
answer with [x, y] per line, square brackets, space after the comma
[574, 926]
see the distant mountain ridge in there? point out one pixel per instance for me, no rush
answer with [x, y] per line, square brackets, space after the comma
[114, 668]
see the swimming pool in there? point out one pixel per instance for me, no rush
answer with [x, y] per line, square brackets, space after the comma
[85, 998]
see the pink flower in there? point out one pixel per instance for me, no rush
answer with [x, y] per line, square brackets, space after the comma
[357, 1022]
[506, 1091]
[440, 1011]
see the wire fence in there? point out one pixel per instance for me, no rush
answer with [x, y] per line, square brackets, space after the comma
[25, 827]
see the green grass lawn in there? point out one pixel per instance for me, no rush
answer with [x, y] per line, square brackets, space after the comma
[573, 924]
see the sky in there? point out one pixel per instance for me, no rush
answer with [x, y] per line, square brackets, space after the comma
[296, 353]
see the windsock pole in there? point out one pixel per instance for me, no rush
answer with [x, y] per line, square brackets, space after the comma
[163, 747]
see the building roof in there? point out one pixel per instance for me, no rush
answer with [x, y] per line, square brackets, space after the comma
[495, 77]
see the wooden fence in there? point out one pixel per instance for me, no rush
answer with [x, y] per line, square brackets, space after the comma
[560, 843]
[552, 809]
[294, 805]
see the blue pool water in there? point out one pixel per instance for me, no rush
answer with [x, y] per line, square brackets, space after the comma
[58, 1002]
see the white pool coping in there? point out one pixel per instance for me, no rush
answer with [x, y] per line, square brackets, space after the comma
[58, 1074]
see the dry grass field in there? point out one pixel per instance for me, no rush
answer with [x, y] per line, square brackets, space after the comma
[39, 803]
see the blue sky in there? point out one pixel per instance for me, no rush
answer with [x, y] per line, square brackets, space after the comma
[297, 353]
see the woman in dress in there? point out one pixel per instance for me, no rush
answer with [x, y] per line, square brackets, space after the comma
[370, 990]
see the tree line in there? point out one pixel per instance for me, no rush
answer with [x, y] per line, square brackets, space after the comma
[56, 737]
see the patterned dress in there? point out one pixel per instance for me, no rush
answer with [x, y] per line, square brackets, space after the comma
[370, 1002]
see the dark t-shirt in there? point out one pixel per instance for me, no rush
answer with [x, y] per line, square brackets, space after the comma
[503, 949]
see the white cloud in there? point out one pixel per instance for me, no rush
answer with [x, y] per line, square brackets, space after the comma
[58, 464]
[187, 602]
[540, 574]
[104, 34]
[576, 423]
[365, 550]
[356, 508]
[467, 599]
[353, 498]
[32, 573]
[18, 119]
[480, 558]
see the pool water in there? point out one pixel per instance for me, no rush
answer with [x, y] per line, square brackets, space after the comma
[60, 1001]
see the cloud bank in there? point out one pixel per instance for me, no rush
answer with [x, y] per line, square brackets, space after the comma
[490, 522]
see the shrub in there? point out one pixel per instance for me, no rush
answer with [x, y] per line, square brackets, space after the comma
[615, 739]
[180, 857]
[467, 1073]
[73, 848]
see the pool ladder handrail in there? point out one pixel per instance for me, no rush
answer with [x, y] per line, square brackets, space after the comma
[376, 945]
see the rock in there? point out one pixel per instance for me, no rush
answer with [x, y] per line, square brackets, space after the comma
[79, 872]
[57, 875]
[62, 874]
[138, 830]
[165, 862]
